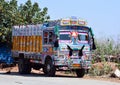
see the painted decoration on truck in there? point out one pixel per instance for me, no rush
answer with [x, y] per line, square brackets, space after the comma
[45, 49]
[65, 22]
[73, 21]
[82, 23]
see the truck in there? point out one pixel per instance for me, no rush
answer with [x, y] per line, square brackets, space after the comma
[6, 59]
[57, 45]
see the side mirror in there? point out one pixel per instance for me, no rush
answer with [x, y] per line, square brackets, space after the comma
[93, 45]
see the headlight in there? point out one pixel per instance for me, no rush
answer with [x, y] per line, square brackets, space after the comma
[75, 54]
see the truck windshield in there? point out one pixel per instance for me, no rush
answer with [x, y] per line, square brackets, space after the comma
[64, 37]
[82, 37]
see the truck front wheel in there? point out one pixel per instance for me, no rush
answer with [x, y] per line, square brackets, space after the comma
[24, 66]
[80, 72]
[49, 68]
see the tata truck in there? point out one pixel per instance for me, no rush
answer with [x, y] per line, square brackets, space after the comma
[58, 45]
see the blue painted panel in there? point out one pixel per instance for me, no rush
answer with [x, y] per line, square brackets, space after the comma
[5, 54]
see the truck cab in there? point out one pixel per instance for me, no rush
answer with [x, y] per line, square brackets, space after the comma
[72, 46]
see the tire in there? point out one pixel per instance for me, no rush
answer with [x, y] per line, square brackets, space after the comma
[49, 68]
[24, 66]
[80, 72]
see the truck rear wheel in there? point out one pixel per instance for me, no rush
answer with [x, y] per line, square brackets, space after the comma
[80, 72]
[49, 68]
[24, 66]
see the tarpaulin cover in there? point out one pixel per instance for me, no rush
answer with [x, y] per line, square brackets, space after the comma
[5, 54]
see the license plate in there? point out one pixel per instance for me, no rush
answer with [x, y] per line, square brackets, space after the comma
[76, 65]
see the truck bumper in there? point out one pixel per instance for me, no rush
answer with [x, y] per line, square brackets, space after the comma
[73, 64]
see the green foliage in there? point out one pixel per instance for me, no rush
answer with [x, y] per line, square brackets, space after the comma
[11, 14]
[106, 47]
[95, 71]
[100, 69]
[118, 65]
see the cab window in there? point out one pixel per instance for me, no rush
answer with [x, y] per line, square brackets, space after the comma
[64, 36]
[48, 37]
[83, 37]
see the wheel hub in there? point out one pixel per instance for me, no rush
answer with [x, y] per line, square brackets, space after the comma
[48, 68]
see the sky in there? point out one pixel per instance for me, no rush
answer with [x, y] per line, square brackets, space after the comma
[103, 16]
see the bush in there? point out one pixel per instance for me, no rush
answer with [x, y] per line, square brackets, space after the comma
[100, 69]
[118, 65]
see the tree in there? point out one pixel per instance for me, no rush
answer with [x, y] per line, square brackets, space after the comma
[11, 14]
[32, 14]
[107, 47]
